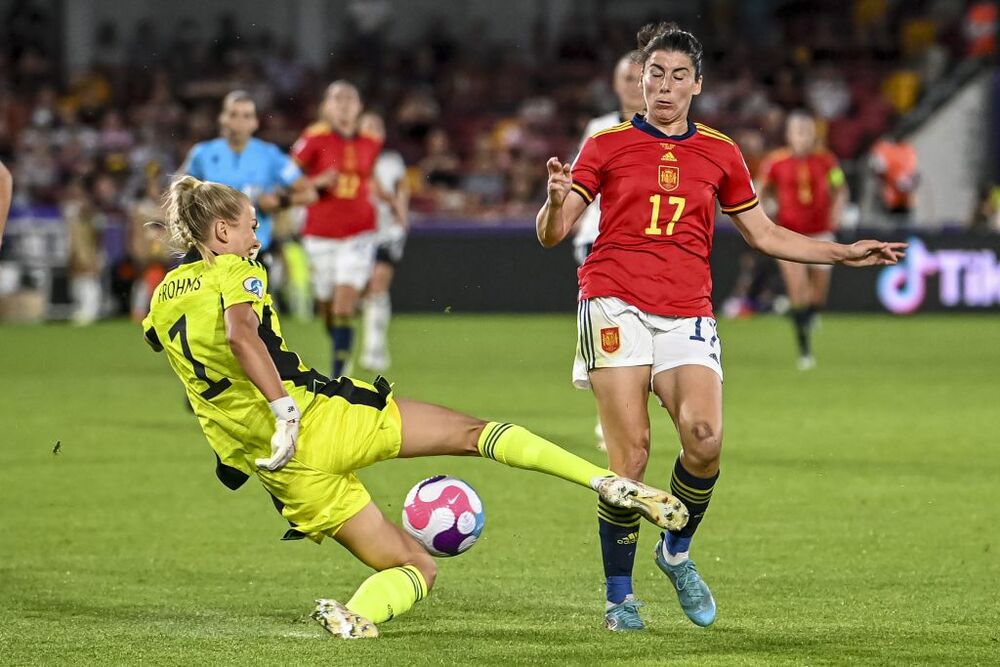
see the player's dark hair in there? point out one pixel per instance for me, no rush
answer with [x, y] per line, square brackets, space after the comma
[193, 205]
[668, 36]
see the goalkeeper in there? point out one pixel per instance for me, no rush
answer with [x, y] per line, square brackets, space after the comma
[303, 435]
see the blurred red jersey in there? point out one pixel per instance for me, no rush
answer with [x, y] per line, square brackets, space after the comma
[804, 187]
[658, 195]
[345, 208]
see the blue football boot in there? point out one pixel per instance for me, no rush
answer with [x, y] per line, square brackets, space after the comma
[692, 592]
[624, 616]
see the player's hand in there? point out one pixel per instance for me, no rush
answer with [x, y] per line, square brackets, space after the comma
[325, 179]
[286, 433]
[874, 253]
[559, 181]
[268, 202]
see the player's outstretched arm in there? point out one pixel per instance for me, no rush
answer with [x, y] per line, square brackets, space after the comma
[560, 211]
[6, 194]
[249, 350]
[771, 239]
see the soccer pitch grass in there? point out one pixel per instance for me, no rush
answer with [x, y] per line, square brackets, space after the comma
[857, 518]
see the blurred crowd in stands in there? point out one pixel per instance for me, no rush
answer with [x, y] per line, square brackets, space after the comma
[474, 121]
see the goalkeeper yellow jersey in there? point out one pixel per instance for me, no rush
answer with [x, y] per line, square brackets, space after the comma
[186, 320]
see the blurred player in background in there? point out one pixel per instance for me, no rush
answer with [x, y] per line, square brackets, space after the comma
[392, 202]
[809, 187]
[6, 196]
[626, 81]
[339, 234]
[147, 242]
[260, 170]
[645, 315]
[265, 413]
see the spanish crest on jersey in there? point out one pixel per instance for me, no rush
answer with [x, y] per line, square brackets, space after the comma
[670, 177]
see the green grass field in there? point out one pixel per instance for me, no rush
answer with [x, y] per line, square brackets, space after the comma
[856, 520]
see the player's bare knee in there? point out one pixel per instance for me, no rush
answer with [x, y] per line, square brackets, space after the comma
[631, 462]
[703, 445]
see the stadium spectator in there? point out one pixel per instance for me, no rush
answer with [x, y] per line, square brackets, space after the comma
[86, 223]
[980, 29]
[895, 164]
[147, 243]
[645, 315]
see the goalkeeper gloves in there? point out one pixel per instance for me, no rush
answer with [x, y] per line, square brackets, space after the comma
[286, 432]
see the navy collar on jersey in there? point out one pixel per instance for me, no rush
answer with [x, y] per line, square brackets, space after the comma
[639, 122]
[193, 256]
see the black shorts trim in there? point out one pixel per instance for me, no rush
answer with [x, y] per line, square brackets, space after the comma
[384, 254]
[356, 395]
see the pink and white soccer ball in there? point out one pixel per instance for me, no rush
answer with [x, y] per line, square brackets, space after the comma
[445, 514]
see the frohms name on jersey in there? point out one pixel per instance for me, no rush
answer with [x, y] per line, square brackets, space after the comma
[178, 287]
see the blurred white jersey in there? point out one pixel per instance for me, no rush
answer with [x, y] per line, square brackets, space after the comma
[389, 171]
[588, 225]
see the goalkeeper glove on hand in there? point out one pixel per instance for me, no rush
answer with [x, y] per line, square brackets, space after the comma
[286, 433]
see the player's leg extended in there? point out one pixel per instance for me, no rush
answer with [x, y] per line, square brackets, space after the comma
[405, 574]
[622, 394]
[345, 301]
[433, 430]
[797, 283]
[819, 290]
[377, 309]
[693, 396]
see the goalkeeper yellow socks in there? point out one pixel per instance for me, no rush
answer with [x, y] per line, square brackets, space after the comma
[388, 593]
[518, 447]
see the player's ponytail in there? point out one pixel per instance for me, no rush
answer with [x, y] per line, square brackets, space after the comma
[668, 36]
[192, 207]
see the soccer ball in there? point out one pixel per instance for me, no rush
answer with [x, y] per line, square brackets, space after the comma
[444, 514]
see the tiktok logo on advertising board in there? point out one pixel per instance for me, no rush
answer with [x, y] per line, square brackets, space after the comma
[966, 278]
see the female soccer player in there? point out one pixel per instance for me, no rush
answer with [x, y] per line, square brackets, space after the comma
[392, 203]
[339, 234]
[645, 313]
[809, 187]
[264, 412]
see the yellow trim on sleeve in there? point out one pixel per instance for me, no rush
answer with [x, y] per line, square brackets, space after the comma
[740, 208]
[582, 191]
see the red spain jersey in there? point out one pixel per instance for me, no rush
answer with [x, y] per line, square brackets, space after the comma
[345, 208]
[658, 195]
[804, 188]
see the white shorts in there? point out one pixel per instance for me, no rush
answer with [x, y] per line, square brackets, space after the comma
[332, 262]
[390, 242]
[613, 333]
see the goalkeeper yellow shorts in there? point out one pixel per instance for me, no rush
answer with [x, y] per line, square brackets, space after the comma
[350, 425]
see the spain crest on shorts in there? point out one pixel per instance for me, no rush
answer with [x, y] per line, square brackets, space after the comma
[610, 342]
[669, 177]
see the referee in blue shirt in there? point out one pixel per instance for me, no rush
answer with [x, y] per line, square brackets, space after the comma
[258, 169]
